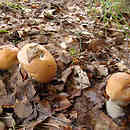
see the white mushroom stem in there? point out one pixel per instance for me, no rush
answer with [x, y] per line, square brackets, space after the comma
[115, 108]
[118, 90]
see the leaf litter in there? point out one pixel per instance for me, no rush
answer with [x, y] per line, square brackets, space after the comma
[86, 50]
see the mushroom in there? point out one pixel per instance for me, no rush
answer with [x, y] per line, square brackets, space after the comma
[37, 62]
[118, 90]
[8, 56]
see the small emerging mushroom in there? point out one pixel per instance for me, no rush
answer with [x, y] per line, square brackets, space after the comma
[118, 90]
[8, 56]
[37, 62]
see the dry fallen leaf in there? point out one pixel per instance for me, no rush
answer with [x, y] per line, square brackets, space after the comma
[80, 78]
[68, 30]
[60, 123]
[104, 122]
[61, 103]
[97, 45]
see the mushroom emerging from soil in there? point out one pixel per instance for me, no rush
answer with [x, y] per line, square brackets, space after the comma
[37, 62]
[8, 56]
[118, 90]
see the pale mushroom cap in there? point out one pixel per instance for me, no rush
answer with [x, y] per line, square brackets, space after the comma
[8, 56]
[118, 87]
[41, 67]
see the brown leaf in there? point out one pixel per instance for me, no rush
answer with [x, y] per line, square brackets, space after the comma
[66, 73]
[32, 125]
[60, 123]
[88, 106]
[97, 45]
[80, 78]
[104, 122]
[61, 103]
[44, 106]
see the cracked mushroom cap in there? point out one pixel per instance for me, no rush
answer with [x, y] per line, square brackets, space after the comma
[118, 87]
[37, 62]
[8, 56]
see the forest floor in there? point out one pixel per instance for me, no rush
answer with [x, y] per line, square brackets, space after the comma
[89, 43]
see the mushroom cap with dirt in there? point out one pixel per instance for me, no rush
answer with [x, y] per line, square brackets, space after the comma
[118, 90]
[38, 62]
[118, 87]
[8, 56]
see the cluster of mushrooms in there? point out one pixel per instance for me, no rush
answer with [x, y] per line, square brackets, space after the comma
[33, 59]
[41, 66]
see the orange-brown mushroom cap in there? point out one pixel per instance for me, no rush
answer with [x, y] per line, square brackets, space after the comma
[37, 62]
[118, 87]
[8, 56]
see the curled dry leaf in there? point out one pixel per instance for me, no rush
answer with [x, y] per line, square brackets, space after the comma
[44, 110]
[104, 122]
[80, 78]
[91, 101]
[59, 123]
[97, 45]
[44, 107]
[61, 103]
[65, 74]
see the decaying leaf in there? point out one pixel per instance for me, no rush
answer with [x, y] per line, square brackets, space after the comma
[66, 74]
[91, 102]
[97, 45]
[80, 78]
[87, 44]
[61, 103]
[60, 123]
[104, 122]
[44, 107]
